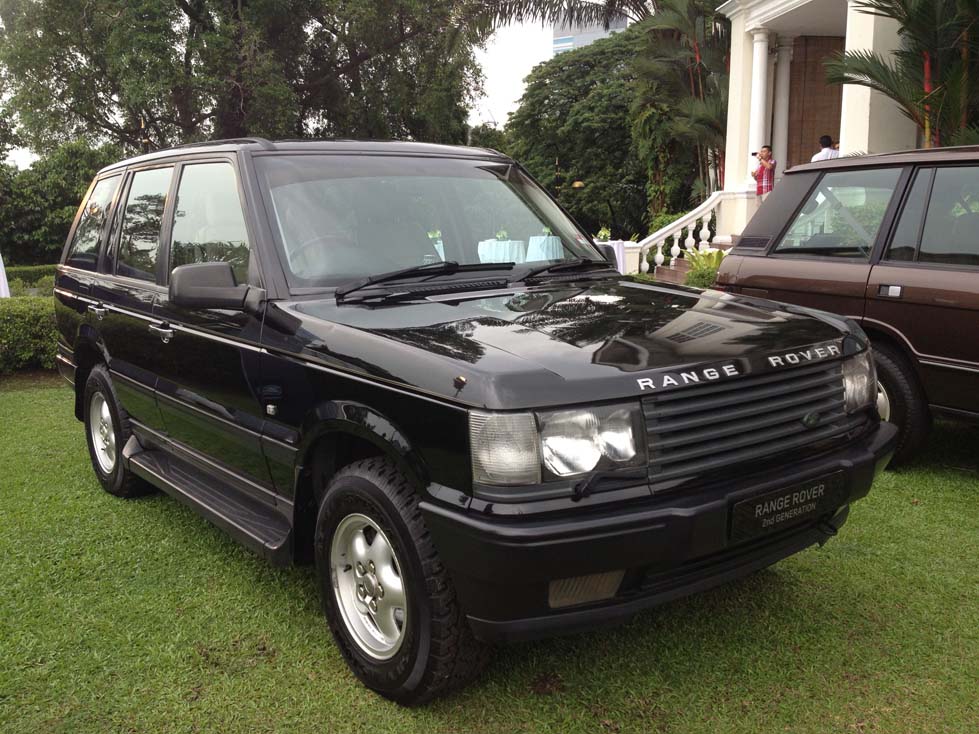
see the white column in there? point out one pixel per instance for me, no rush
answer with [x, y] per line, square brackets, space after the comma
[758, 109]
[780, 124]
[871, 122]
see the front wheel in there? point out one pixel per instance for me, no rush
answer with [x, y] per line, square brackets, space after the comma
[387, 597]
[901, 401]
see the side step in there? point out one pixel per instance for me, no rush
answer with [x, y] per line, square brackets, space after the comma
[252, 523]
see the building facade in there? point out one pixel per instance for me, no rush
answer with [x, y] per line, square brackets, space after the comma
[778, 93]
[568, 37]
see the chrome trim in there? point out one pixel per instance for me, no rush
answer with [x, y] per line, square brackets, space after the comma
[213, 337]
[77, 297]
[932, 363]
[375, 381]
[208, 414]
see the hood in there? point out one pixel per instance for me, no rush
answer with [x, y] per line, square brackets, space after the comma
[563, 343]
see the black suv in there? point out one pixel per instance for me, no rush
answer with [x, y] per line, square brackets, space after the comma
[406, 363]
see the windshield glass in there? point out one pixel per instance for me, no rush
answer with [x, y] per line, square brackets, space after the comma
[342, 216]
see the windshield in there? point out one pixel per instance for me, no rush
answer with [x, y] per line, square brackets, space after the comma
[342, 216]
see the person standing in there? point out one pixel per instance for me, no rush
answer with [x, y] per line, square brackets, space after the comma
[828, 152]
[764, 175]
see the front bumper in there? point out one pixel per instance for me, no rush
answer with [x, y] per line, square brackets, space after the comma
[668, 546]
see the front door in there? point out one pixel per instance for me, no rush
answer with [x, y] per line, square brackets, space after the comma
[926, 287]
[209, 369]
[833, 236]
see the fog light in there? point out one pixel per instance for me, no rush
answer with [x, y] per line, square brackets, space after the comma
[583, 589]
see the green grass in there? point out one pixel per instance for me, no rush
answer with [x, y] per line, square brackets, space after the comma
[138, 616]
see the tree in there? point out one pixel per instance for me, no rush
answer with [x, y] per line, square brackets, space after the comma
[929, 76]
[573, 130]
[38, 204]
[681, 73]
[487, 136]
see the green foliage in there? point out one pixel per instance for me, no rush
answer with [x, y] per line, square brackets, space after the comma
[30, 274]
[38, 204]
[487, 136]
[574, 123]
[701, 277]
[198, 69]
[703, 267]
[28, 337]
[931, 76]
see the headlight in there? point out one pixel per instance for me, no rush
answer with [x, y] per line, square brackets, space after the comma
[859, 381]
[508, 449]
[504, 448]
[575, 442]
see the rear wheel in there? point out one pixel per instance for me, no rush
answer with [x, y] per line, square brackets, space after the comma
[901, 401]
[387, 597]
[106, 431]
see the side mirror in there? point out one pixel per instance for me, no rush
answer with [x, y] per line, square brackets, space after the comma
[609, 252]
[207, 285]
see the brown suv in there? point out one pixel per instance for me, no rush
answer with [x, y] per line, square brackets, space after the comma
[891, 241]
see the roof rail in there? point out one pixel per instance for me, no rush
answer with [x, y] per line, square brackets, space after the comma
[263, 142]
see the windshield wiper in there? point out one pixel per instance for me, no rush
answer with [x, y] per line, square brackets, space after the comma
[582, 263]
[446, 266]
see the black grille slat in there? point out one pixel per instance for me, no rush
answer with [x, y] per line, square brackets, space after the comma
[785, 428]
[698, 430]
[680, 438]
[760, 453]
[705, 417]
[750, 395]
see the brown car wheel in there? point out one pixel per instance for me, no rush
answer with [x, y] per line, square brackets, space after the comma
[901, 402]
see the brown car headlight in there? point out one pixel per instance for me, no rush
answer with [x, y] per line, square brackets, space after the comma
[575, 442]
[859, 381]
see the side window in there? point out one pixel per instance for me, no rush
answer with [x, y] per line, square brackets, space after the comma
[951, 232]
[208, 224]
[841, 217]
[904, 243]
[140, 238]
[84, 249]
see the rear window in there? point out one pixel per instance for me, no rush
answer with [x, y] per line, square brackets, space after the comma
[842, 215]
[83, 252]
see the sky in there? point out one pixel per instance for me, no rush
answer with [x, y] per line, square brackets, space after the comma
[508, 57]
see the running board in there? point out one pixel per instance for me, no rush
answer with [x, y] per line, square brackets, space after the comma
[255, 525]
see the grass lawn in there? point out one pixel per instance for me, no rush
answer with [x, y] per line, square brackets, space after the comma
[138, 616]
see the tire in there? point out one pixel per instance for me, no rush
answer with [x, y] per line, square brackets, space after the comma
[106, 431]
[432, 651]
[908, 406]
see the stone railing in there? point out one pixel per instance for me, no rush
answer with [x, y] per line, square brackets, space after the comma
[698, 236]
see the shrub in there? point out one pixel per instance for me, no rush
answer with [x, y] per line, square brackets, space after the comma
[28, 336]
[17, 287]
[30, 274]
[703, 267]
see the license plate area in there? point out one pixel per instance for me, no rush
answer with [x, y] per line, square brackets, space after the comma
[782, 508]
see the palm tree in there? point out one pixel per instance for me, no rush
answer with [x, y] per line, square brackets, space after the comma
[929, 76]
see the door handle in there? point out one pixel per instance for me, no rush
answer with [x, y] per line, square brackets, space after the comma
[99, 310]
[164, 331]
[889, 291]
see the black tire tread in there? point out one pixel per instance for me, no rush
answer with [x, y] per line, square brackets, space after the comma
[909, 399]
[123, 483]
[456, 656]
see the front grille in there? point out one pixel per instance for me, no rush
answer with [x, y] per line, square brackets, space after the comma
[708, 429]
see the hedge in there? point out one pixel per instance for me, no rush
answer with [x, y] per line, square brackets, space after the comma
[30, 274]
[28, 336]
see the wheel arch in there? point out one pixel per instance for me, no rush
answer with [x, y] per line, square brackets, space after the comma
[336, 434]
[87, 354]
[881, 333]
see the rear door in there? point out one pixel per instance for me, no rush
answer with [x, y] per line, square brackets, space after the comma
[127, 289]
[926, 286]
[822, 258]
[209, 369]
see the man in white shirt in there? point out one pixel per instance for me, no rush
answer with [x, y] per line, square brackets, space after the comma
[828, 152]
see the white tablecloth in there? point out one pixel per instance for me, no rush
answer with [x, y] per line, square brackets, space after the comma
[502, 251]
[544, 248]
